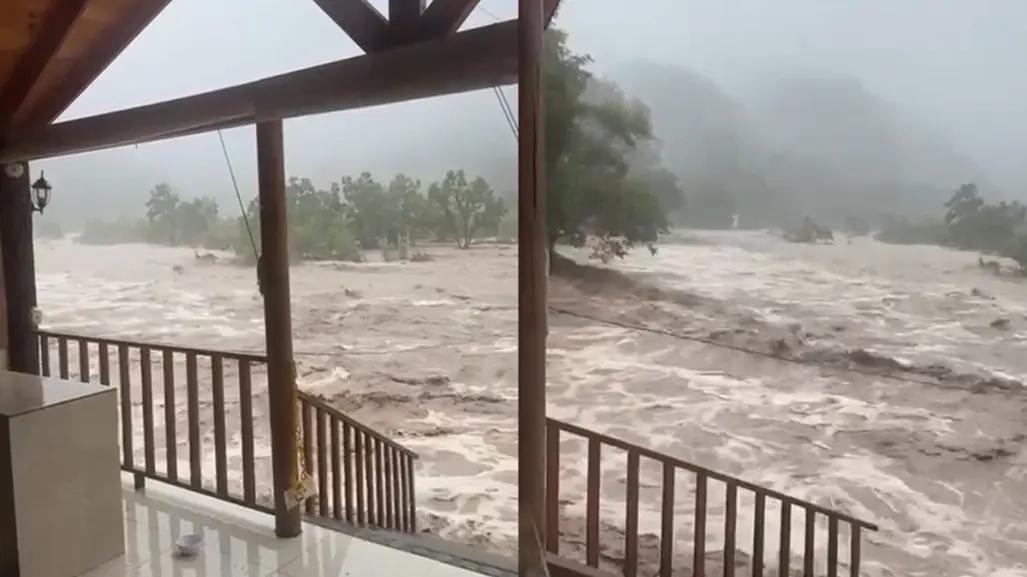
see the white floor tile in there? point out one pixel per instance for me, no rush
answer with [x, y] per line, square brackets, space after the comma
[241, 543]
[339, 557]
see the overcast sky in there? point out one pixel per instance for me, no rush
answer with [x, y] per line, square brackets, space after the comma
[956, 65]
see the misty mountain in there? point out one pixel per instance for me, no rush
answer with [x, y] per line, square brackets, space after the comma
[794, 147]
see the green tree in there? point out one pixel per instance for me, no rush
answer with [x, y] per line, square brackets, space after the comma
[469, 207]
[370, 209]
[593, 189]
[407, 204]
[162, 214]
[194, 220]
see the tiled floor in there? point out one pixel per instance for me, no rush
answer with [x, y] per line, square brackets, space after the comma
[241, 543]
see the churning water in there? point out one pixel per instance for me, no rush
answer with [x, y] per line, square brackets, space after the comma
[427, 352]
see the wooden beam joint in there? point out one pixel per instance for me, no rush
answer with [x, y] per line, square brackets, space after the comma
[409, 21]
[405, 19]
[445, 17]
[360, 21]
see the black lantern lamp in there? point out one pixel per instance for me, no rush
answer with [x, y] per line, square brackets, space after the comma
[40, 193]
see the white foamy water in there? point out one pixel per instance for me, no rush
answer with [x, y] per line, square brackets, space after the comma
[426, 352]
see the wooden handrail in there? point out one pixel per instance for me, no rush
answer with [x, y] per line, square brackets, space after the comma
[668, 504]
[700, 470]
[363, 477]
[252, 357]
[319, 403]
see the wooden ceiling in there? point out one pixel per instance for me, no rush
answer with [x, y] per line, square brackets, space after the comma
[51, 50]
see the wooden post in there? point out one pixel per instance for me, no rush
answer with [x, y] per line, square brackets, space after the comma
[274, 276]
[531, 318]
[19, 264]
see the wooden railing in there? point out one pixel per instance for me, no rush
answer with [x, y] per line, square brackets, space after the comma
[362, 477]
[635, 456]
[148, 376]
[376, 474]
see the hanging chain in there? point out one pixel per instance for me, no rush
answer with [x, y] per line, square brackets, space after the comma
[301, 489]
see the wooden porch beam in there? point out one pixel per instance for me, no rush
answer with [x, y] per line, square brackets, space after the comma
[273, 271]
[53, 103]
[471, 60]
[19, 269]
[50, 35]
[404, 19]
[532, 286]
[361, 21]
[444, 17]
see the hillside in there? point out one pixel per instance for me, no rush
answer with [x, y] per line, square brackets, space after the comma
[813, 146]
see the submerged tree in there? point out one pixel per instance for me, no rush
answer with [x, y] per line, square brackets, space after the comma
[467, 206]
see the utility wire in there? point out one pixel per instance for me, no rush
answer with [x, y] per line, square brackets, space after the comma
[738, 349]
[238, 195]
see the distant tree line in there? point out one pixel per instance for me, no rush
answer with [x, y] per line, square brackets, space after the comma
[607, 185]
[336, 223]
[969, 223]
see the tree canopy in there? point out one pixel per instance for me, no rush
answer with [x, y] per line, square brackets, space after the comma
[969, 223]
[605, 178]
[334, 223]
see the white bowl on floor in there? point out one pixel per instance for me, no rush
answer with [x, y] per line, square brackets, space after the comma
[188, 545]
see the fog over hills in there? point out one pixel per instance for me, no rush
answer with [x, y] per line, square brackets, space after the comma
[796, 146]
[791, 106]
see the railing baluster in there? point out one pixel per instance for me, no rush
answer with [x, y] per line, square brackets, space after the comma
[372, 518]
[552, 487]
[730, 524]
[592, 503]
[390, 519]
[217, 376]
[307, 427]
[397, 491]
[379, 483]
[249, 475]
[631, 521]
[336, 468]
[322, 463]
[105, 365]
[83, 360]
[170, 435]
[347, 463]
[855, 543]
[785, 547]
[699, 535]
[832, 546]
[44, 355]
[401, 490]
[759, 526]
[809, 549]
[192, 393]
[358, 458]
[62, 357]
[146, 384]
[125, 390]
[412, 491]
[667, 523]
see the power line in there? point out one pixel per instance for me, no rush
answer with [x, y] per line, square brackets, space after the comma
[738, 349]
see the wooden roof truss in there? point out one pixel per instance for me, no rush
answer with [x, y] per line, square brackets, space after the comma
[415, 52]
